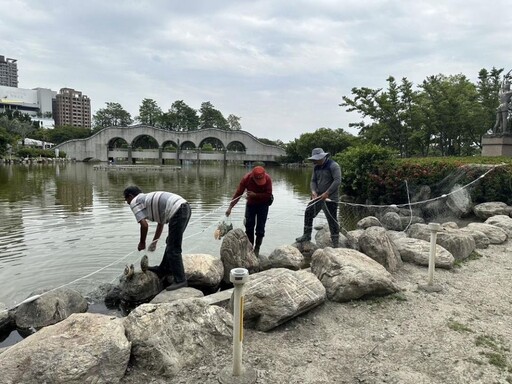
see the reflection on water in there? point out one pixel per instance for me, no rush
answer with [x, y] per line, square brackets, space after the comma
[65, 222]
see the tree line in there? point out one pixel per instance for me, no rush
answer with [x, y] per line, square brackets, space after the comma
[180, 117]
[442, 116]
[445, 116]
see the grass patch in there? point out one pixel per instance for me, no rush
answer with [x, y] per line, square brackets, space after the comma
[473, 256]
[459, 327]
[386, 299]
[496, 359]
[495, 353]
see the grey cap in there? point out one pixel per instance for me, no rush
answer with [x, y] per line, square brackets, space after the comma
[317, 154]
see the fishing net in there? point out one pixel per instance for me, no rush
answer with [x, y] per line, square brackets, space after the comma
[450, 200]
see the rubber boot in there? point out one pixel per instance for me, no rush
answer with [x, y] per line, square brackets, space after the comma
[335, 241]
[257, 245]
[305, 237]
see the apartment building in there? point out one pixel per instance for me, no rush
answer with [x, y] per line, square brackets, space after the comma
[71, 107]
[8, 72]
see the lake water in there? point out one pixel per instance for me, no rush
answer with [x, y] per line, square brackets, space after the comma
[69, 224]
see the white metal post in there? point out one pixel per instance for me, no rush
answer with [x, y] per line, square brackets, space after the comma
[434, 228]
[238, 277]
[238, 374]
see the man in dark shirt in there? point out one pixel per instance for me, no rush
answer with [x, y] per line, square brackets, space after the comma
[325, 183]
[259, 197]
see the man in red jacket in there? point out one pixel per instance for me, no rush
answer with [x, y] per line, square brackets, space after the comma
[259, 197]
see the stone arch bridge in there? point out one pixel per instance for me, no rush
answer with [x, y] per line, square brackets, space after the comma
[121, 143]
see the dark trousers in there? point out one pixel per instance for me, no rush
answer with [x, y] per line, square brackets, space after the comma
[255, 216]
[330, 209]
[172, 261]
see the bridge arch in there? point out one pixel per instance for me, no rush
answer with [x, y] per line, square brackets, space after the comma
[236, 146]
[117, 142]
[188, 145]
[214, 142]
[145, 141]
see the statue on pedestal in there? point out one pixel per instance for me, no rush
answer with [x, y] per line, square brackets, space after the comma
[505, 94]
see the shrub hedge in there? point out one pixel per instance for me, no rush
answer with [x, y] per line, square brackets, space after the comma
[373, 175]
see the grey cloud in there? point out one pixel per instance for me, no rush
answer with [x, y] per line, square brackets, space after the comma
[282, 66]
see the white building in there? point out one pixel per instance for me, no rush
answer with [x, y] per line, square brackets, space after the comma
[30, 101]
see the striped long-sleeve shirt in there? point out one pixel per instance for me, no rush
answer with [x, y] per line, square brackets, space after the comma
[156, 206]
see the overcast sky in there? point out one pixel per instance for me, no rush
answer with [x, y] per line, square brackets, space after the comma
[282, 66]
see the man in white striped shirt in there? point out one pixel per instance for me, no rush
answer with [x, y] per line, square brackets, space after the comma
[162, 208]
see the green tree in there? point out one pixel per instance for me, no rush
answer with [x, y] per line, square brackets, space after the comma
[64, 133]
[332, 141]
[450, 105]
[180, 118]
[149, 112]
[6, 140]
[209, 117]
[112, 116]
[488, 87]
[234, 123]
[391, 116]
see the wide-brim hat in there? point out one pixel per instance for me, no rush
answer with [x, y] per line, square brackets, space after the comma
[258, 174]
[317, 154]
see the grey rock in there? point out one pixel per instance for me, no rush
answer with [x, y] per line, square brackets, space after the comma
[275, 296]
[50, 308]
[348, 274]
[84, 348]
[236, 252]
[170, 336]
[376, 244]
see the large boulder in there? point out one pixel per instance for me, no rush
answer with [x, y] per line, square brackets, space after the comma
[353, 238]
[418, 252]
[376, 244]
[458, 243]
[502, 221]
[5, 319]
[168, 337]
[236, 252]
[137, 287]
[489, 209]
[284, 256]
[481, 239]
[391, 220]
[177, 294]
[367, 222]
[348, 274]
[48, 308]
[84, 348]
[203, 271]
[277, 295]
[495, 234]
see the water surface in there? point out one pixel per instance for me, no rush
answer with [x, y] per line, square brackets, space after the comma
[68, 224]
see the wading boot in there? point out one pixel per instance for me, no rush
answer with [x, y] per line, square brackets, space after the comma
[305, 237]
[257, 245]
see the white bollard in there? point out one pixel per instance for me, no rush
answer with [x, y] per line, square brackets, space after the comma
[430, 287]
[434, 228]
[238, 276]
